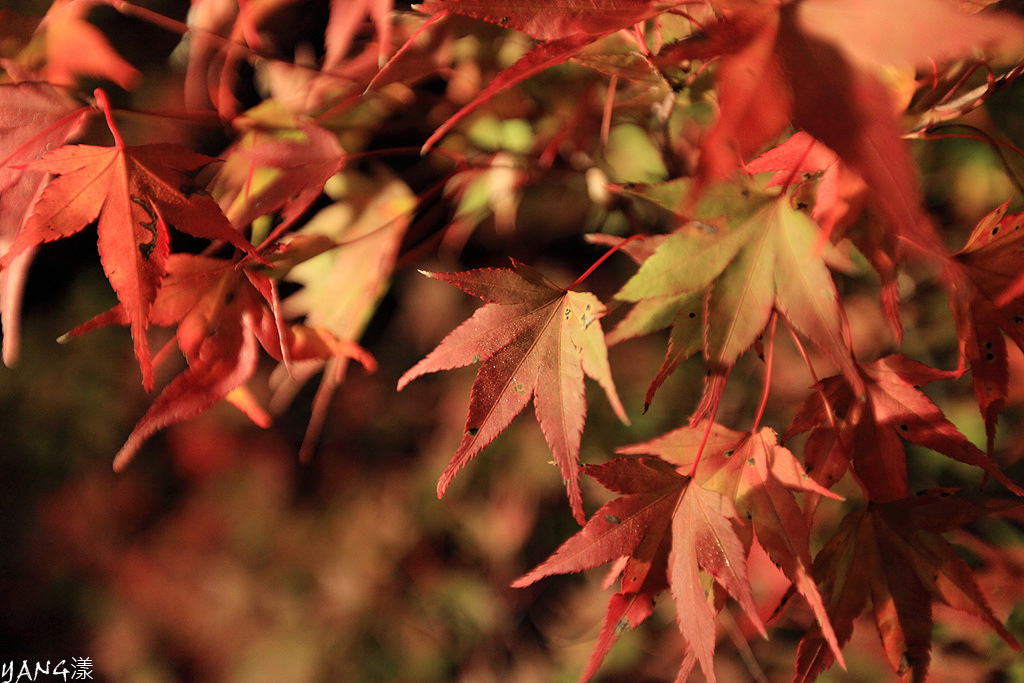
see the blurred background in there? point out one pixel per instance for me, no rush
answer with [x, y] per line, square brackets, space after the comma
[218, 556]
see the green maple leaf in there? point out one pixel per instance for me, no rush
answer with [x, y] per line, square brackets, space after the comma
[769, 260]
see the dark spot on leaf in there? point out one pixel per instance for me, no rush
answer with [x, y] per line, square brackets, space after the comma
[472, 431]
[728, 452]
[612, 519]
[146, 248]
[692, 314]
[904, 427]
[749, 516]
[750, 461]
[990, 356]
[1017, 319]
[988, 345]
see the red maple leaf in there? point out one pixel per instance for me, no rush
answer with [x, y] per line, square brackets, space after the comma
[75, 47]
[33, 118]
[894, 554]
[760, 477]
[669, 528]
[300, 169]
[135, 192]
[986, 302]
[221, 311]
[346, 15]
[535, 340]
[561, 30]
[801, 62]
[866, 435]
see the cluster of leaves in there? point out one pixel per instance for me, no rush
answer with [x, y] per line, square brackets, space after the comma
[821, 94]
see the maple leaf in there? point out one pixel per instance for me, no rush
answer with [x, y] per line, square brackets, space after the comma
[221, 312]
[893, 553]
[277, 169]
[546, 21]
[223, 33]
[341, 287]
[986, 301]
[561, 30]
[659, 506]
[345, 18]
[768, 261]
[796, 158]
[760, 477]
[136, 192]
[868, 433]
[802, 62]
[75, 47]
[683, 312]
[535, 340]
[838, 200]
[33, 118]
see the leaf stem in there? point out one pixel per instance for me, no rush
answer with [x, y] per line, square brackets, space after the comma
[814, 376]
[704, 439]
[997, 146]
[609, 104]
[768, 361]
[599, 261]
[101, 99]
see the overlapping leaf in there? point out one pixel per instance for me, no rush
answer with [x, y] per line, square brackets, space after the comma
[34, 117]
[803, 62]
[728, 281]
[760, 477]
[282, 169]
[221, 311]
[535, 340]
[894, 554]
[659, 510]
[562, 30]
[867, 435]
[341, 287]
[986, 302]
[75, 47]
[136, 193]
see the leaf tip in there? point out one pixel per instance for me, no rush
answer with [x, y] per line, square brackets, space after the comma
[523, 581]
[121, 460]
